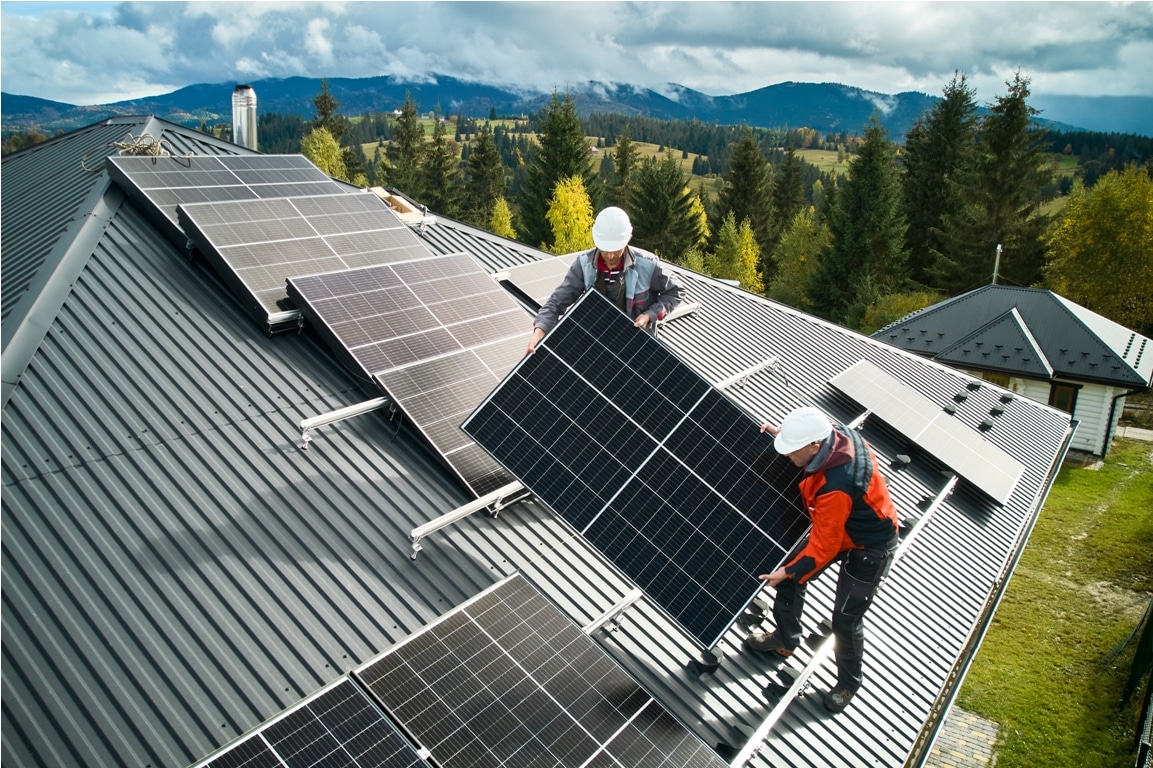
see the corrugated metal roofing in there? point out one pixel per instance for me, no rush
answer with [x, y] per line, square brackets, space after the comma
[1078, 344]
[176, 570]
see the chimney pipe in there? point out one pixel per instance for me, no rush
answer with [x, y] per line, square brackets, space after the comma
[244, 116]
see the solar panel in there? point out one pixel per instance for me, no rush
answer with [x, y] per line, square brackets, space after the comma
[538, 279]
[916, 417]
[437, 334]
[508, 680]
[257, 244]
[339, 726]
[661, 472]
[167, 182]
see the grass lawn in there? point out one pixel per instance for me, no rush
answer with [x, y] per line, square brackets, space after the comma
[1080, 588]
[825, 160]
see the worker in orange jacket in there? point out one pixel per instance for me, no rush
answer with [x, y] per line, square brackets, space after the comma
[853, 521]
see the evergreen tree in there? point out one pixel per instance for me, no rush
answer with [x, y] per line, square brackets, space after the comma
[788, 194]
[439, 176]
[322, 150]
[1101, 249]
[737, 255]
[562, 153]
[625, 159]
[484, 180]
[501, 221]
[405, 152]
[570, 215]
[327, 116]
[747, 193]
[939, 154]
[1002, 198]
[867, 256]
[661, 209]
[796, 257]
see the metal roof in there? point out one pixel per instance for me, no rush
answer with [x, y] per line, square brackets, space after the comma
[176, 570]
[1025, 331]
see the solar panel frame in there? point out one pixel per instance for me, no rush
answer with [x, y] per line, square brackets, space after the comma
[537, 280]
[435, 334]
[975, 459]
[256, 245]
[668, 477]
[506, 679]
[337, 725]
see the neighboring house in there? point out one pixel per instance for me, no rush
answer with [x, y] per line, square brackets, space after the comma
[1040, 345]
[177, 570]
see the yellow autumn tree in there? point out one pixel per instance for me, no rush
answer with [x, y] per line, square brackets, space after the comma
[501, 221]
[570, 214]
[323, 150]
[736, 255]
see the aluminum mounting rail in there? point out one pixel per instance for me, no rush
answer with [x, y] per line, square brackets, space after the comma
[497, 500]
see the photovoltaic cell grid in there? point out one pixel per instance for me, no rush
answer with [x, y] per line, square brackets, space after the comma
[264, 242]
[437, 334]
[167, 182]
[508, 680]
[916, 417]
[340, 726]
[657, 469]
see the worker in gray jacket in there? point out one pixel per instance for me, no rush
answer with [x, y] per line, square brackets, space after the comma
[630, 278]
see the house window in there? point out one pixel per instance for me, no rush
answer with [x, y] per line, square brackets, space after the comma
[1000, 379]
[1064, 396]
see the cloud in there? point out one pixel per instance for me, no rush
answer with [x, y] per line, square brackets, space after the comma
[99, 52]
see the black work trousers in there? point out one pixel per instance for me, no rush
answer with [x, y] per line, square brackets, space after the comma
[862, 571]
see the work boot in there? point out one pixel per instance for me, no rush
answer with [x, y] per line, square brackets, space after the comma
[837, 699]
[767, 642]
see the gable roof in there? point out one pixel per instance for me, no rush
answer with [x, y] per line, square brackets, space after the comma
[1025, 331]
[177, 570]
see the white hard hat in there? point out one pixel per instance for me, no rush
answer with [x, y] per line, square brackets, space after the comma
[801, 427]
[612, 229]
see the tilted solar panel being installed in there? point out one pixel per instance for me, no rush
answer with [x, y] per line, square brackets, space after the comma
[256, 245]
[658, 470]
[339, 725]
[437, 334]
[506, 679]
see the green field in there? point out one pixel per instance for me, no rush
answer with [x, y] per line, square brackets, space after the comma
[1044, 672]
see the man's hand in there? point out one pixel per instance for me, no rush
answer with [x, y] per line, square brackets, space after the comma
[774, 578]
[642, 321]
[537, 335]
[772, 429]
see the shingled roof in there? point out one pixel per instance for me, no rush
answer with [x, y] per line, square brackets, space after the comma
[1026, 332]
[177, 570]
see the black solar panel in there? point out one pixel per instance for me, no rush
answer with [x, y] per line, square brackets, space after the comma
[508, 680]
[661, 472]
[258, 244]
[437, 334]
[340, 726]
[167, 182]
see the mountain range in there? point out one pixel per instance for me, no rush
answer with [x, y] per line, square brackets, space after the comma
[825, 107]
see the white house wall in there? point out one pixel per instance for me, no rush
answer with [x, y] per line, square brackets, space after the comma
[1092, 410]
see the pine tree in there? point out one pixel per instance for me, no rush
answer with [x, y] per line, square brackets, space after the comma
[788, 195]
[737, 255]
[484, 179]
[747, 193]
[570, 215]
[939, 154]
[661, 209]
[562, 152]
[1002, 198]
[327, 116]
[867, 256]
[625, 159]
[406, 151]
[321, 148]
[439, 176]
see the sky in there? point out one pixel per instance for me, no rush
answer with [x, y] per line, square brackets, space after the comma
[99, 52]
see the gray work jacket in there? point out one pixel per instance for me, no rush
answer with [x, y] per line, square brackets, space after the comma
[648, 288]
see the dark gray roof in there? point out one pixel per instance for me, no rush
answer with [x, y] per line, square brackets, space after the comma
[1025, 331]
[176, 570]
